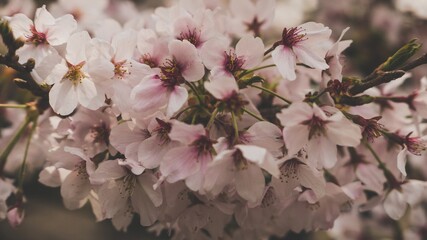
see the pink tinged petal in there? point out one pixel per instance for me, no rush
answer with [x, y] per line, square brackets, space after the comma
[220, 173]
[243, 9]
[222, 86]
[124, 45]
[111, 198]
[52, 176]
[285, 60]
[401, 160]
[371, 176]
[43, 19]
[149, 95]
[395, 204]
[177, 98]
[186, 133]
[195, 182]
[131, 162]
[86, 91]
[121, 136]
[261, 157]
[322, 151]
[63, 97]
[107, 170]
[151, 152]
[148, 213]
[296, 137]
[188, 59]
[100, 70]
[76, 47]
[343, 132]
[76, 187]
[266, 11]
[250, 183]
[213, 52]
[122, 219]
[60, 32]
[251, 50]
[21, 25]
[146, 181]
[311, 178]
[44, 68]
[36, 52]
[56, 74]
[265, 134]
[414, 191]
[295, 114]
[15, 216]
[309, 58]
[179, 163]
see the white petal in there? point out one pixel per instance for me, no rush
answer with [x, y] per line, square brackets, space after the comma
[311, 178]
[63, 97]
[322, 151]
[285, 60]
[86, 91]
[296, 137]
[61, 30]
[76, 187]
[395, 205]
[250, 183]
[309, 58]
[401, 160]
[107, 170]
[124, 45]
[261, 157]
[295, 114]
[56, 74]
[252, 51]
[43, 19]
[76, 47]
[177, 98]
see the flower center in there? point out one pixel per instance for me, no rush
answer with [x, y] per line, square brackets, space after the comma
[81, 170]
[163, 130]
[203, 145]
[37, 38]
[292, 36]
[120, 70]
[255, 26]
[75, 73]
[232, 62]
[316, 127]
[289, 170]
[415, 145]
[240, 162]
[148, 60]
[191, 35]
[127, 186]
[171, 73]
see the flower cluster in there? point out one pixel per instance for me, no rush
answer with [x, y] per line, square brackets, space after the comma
[188, 118]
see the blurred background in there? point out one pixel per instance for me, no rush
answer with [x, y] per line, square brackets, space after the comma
[377, 28]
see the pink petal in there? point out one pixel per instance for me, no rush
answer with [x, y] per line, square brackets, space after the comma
[179, 163]
[252, 51]
[185, 133]
[43, 19]
[177, 98]
[295, 114]
[296, 137]
[250, 183]
[222, 86]
[307, 57]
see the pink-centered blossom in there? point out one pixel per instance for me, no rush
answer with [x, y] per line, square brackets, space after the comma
[42, 35]
[318, 131]
[306, 44]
